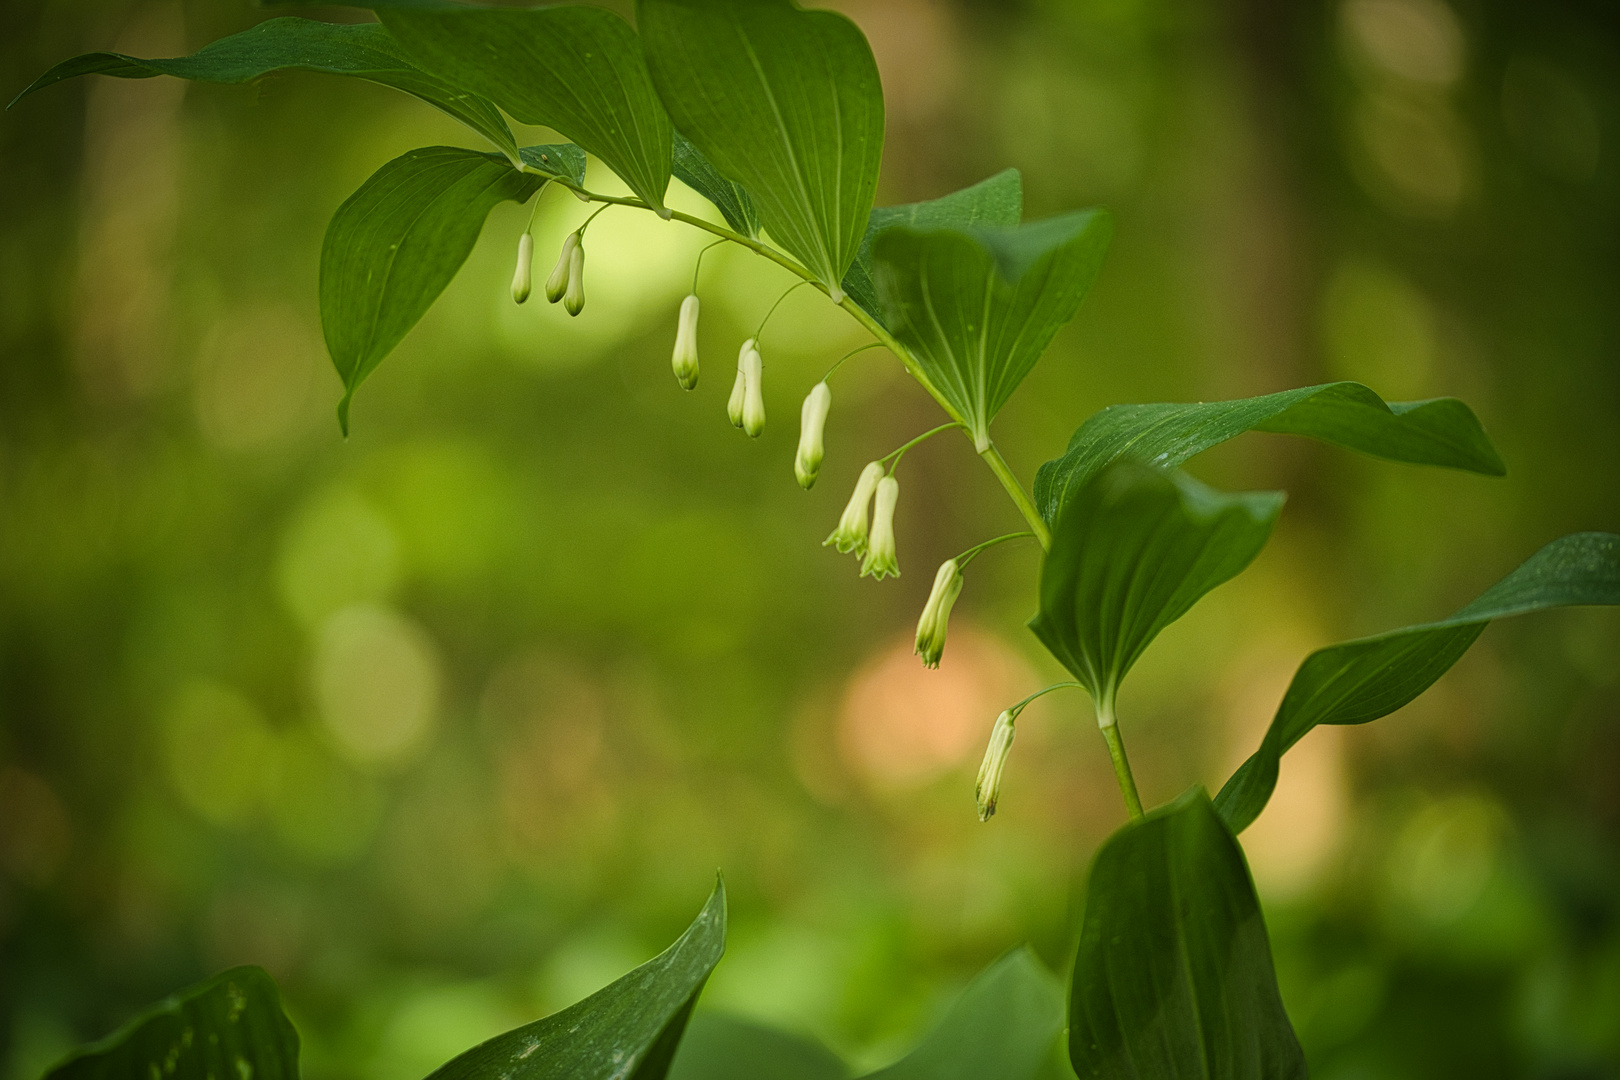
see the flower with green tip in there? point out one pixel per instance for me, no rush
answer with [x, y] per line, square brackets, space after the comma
[753, 408]
[936, 614]
[812, 422]
[574, 296]
[685, 359]
[881, 558]
[850, 535]
[557, 283]
[739, 389]
[988, 788]
[522, 278]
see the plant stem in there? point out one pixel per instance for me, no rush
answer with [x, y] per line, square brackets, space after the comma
[1122, 764]
[1004, 473]
[972, 553]
[896, 455]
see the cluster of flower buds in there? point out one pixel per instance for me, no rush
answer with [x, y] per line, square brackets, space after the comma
[936, 614]
[747, 405]
[812, 423]
[876, 493]
[685, 359]
[988, 788]
[567, 280]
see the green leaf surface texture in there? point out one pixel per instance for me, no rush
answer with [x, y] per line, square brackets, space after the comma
[786, 103]
[572, 68]
[976, 307]
[365, 51]
[628, 1030]
[230, 1027]
[562, 161]
[1003, 1027]
[1133, 551]
[1174, 975]
[1358, 681]
[720, 1047]
[394, 245]
[995, 202]
[730, 198]
[1440, 431]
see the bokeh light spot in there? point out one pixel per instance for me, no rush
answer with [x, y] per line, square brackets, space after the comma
[220, 755]
[338, 551]
[377, 681]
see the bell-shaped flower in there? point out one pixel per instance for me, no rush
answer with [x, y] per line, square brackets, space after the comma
[936, 614]
[753, 410]
[557, 283]
[812, 422]
[988, 789]
[574, 297]
[850, 535]
[739, 389]
[522, 279]
[685, 360]
[881, 558]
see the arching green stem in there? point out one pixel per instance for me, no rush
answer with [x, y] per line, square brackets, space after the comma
[899, 453]
[972, 553]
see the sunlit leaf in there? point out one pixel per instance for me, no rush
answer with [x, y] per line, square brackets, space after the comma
[996, 201]
[1440, 431]
[696, 172]
[978, 306]
[718, 1047]
[365, 51]
[1003, 1027]
[573, 68]
[1133, 551]
[783, 101]
[564, 161]
[1174, 976]
[628, 1030]
[1359, 681]
[230, 1027]
[395, 244]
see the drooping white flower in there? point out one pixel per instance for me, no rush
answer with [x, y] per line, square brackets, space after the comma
[753, 410]
[936, 614]
[812, 422]
[988, 789]
[574, 297]
[881, 558]
[557, 283]
[739, 389]
[685, 359]
[522, 279]
[850, 535]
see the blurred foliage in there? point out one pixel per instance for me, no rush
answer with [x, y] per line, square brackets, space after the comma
[451, 723]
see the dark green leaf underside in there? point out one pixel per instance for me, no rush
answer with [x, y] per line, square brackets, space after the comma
[1440, 431]
[230, 1027]
[397, 242]
[719, 1047]
[563, 161]
[1174, 975]
[1359, 681]
[696, 172]
[365, 51]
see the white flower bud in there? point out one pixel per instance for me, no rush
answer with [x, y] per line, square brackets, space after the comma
[988, 789]
[753, 410]
[574, 298]
[850, 535]
[521, 277]
[936, 614]
[739, 389]
[881, 558]
[812, 421]
[557, 283]
[685, 360]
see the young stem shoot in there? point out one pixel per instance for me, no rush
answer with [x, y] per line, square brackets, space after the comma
[1122, 764]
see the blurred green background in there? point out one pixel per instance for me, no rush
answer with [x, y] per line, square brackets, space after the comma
[451, 723]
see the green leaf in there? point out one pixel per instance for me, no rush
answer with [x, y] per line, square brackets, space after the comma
[575, 69]
[395, 244]
[628, 1030]
[1003, 1027]
[1133, 551]
[1358, 681]
[1440, 431]
[783, 101]
[230, 1027]
[977, 306]
[561, 161]
[731, 199]
[996, 201]
[1174, 976]
[718, 1047]
[365, 51]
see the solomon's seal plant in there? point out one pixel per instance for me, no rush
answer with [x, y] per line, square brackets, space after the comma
[775, 115]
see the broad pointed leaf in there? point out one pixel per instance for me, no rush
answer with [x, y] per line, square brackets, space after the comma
[365, 51]
[783, 101]
[230, 1027]
[995, 202]
[1174, 975]
[1003, 1027]
[1359, 681]
[628, 1030]
[560, 161]
[572, 68]
[1440, 431]
[719, 1047]
[731, 199]
[395, 244]
[977, 307]
[1133, 551]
